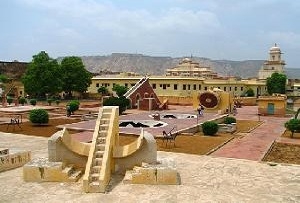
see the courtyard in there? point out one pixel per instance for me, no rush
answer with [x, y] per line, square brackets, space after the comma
[227, 175]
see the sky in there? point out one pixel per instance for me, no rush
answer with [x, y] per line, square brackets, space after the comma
[215, 29]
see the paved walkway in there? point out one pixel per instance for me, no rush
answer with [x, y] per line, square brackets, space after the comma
[203, 179]
[253, 145]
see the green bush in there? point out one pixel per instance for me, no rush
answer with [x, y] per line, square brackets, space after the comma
[229, 120]
[22, 100]
[49, 101]
[122, 102]
[293, 125]
[210, 128]
[74, 105]
[9, 100]
[32, 102]
[103, 90]
[38, 116]
[57, 102]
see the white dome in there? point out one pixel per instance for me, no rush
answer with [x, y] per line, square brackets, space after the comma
[275, 48]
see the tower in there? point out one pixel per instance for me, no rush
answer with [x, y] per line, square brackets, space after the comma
[273, 64]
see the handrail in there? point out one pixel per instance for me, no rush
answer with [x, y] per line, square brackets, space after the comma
[139, 83]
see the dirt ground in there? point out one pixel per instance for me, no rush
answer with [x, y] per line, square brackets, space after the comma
[192, 144]
[284, 153]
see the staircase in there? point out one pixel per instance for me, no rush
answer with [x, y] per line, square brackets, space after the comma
[137, 85]
[99, 164]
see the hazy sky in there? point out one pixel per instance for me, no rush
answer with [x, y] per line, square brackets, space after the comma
[216, 29]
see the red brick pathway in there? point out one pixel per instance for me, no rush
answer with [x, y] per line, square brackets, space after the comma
[255, 144]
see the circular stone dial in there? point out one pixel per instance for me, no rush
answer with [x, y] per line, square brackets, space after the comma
[209, 100]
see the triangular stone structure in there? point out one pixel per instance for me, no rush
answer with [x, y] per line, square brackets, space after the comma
[142, 96]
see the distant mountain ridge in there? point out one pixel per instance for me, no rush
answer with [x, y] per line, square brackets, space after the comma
[154, 65]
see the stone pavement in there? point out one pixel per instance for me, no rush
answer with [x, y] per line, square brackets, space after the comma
[255, 144]
[203, 179]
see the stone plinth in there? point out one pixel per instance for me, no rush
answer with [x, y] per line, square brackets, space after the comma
[162, 173]
[10, 159]
[42, 170]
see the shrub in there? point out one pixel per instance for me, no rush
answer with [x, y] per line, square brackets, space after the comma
[293, 125]
[122, 102]
[38, 116]
[210, 128]
[74, 105]
[229, 120]
[32, 102]
[103, 90]
[9, 100]
[22, 100]
[57, 102]
[50, 100]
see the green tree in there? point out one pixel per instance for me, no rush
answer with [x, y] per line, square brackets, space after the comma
[276, 83]
[75, 76]
[3, 78]
[120, 90]
[248, 93]
[42, 76]
[103, 90]
[122, 102]
[293, 125]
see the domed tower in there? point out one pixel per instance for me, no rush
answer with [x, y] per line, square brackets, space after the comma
[274, 64]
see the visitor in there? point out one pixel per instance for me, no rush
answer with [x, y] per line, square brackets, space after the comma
[234, 110]
[68, 111]
[200, 110]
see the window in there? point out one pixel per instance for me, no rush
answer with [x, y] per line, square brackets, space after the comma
[205, 88]
[184, 87]
[164, 86]
[242, 88]
[126, 84]
[235, 88]
[132, 84]
[175, 86]
[21, 92]
[229, 88]
[224, 88]
[154, 86]
[195, 86]
[97, 84]
[114, 84]
[199, 87]
[160, 85]
[168, 85]
[189, 87]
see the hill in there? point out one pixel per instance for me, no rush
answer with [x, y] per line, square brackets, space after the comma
[153, 65]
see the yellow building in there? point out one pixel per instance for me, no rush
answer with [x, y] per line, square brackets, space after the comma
[272, 105]
[190, 68]
[180, 90]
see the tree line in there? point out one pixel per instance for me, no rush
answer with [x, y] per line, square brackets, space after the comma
[46, 77]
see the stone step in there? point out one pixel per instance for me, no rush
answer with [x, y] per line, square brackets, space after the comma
[76, 175]
[97, 161]
[69, 169]
[99, 154]
[94, 177]
[101, 140]
[95, 169]
[100, 147]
